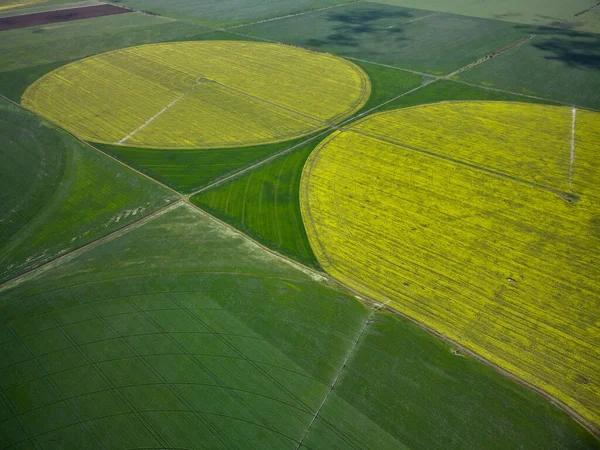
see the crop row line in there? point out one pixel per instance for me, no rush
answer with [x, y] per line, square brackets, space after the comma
[490, 56]
[350, 353]
[572, 156]
[286, 16]
[151, 119]
[564, 195]
[94, 243]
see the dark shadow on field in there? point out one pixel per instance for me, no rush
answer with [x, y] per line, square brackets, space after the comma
[574, 48]
[373, 23]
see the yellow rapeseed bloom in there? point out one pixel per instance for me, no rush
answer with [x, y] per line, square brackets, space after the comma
[200, 94]
[481, 221]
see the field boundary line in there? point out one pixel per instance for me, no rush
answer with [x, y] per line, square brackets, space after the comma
[285, 151]
[350, 353]
[562, 194]
[275, 105]
[416, 19]
[491, 55]
[300, 13]
[572, 156]
[151, 119]
[256, 165]
[95, 3]
[89, 145]
[416, 72]
[580, 13]
[385, 306]
[369, 111]
[75, 252]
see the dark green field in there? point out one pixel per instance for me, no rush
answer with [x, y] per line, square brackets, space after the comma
[57, 194]
[562, 65]
[401, 37]
[47, 44]
[218, 13]
[265, 204]
[190, 170]
[180, 332]
[446, 90]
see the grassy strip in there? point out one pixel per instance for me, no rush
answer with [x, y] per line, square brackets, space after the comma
[264, 204]
[446, 90]
[190, 170]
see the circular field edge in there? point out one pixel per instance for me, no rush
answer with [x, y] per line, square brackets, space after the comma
[569, 406]
[366, 89]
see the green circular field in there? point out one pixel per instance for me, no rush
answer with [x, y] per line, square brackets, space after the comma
[210, 94]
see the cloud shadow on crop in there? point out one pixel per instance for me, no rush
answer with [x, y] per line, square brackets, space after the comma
[353, 26]
[573, 48]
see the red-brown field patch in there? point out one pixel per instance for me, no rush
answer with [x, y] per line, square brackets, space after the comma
[63, 15]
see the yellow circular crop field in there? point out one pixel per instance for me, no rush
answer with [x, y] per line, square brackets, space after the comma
[200, 94]
[478, 219]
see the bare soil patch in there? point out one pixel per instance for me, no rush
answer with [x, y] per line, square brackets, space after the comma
[63, 15]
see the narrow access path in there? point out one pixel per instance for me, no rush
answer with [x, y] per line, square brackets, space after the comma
[572, 159]
[151, 119]
[340, 370]
[301, 13]
[75, 252]
[491, 55]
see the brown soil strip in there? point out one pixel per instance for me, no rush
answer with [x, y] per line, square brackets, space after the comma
[62, 15]
[491, 55]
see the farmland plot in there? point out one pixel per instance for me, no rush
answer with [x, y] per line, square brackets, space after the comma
[35, 46]
[492, 243]
[562, 65]
[573, 14]
[58, 195]
[181, 332]
[218, 13]
[200, 94]
[401, 37]
[264, 203]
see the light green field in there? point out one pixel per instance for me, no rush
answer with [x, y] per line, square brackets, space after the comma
[58, 195]
[562, 65]
[36, 6]
[218, 13]
[181, 332]
[67, 41]
[400, 37]
[572, 14]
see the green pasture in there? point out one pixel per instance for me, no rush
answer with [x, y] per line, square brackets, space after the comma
[435, 398]
[559, 65]
[58, 195]
[46, 44]
[401, 37]
[264, 204]
[572, 14]
[219, 13]
[180, 333]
